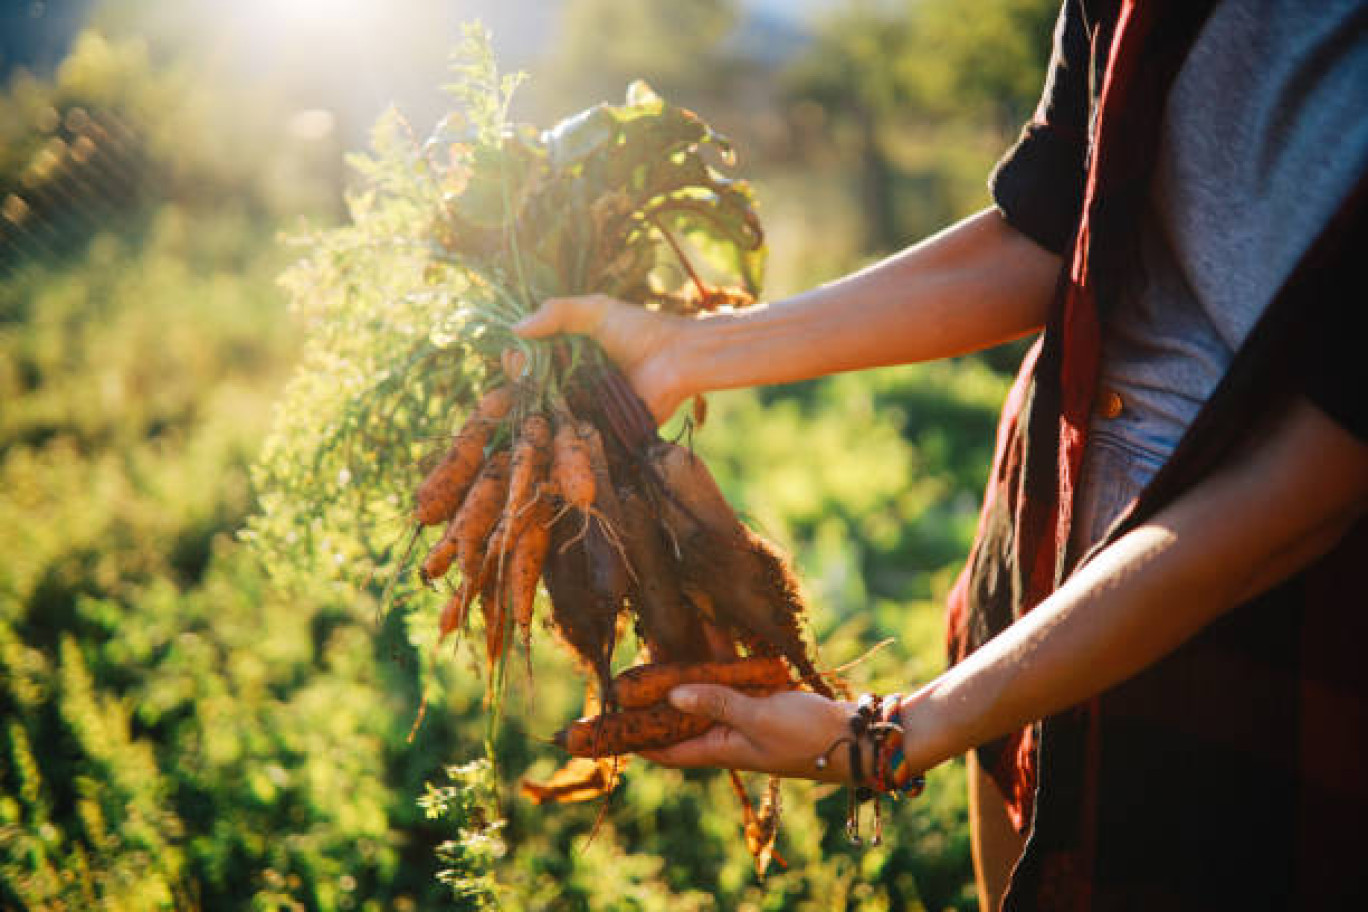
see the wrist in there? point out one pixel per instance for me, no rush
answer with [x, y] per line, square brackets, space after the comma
[687, 356]
[839, 757]
[877, 765]
[718, 351]
[920, 732]
[662, 373]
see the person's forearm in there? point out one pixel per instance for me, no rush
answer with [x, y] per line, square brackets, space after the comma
[1093, 633]
[1132, 604]
[976, 284]
[1147, 593]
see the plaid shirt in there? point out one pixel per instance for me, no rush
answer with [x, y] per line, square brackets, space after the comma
[1228, 774]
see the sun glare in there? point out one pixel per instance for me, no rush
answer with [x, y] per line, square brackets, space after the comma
[314, 15]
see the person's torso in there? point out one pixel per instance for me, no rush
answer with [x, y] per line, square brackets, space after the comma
[1265, 130]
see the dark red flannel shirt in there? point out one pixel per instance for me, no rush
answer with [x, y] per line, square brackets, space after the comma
[1234, 773]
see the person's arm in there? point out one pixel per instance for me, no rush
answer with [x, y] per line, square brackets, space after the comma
[976, 284]
[1291, 494]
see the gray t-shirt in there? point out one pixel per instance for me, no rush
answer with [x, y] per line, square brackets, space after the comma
[1265, 132]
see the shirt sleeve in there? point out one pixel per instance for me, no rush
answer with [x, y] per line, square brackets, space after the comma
[1038, 185]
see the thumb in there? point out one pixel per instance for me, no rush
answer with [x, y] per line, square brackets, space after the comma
[722, 704]
[563, 315]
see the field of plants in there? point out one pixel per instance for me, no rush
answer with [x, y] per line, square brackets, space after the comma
[202, 708]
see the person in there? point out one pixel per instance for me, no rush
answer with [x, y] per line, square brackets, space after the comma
[1157, 639]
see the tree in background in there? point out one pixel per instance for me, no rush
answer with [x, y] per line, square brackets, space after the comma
[880, 71]
[602, 45]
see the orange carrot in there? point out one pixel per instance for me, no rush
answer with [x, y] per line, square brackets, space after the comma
[581, 778]
[525, 565]
[454, 611]
[510, 528]
[572, 476]
[762, 826]
[484, 503]
[531, 455]
[476, 579]
[492, 604]
[497, 403]
[630, 730]
[468, 529]
[440, 556]
[645, 685]
[441, 492]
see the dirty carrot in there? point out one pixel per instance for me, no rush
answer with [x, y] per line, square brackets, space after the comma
[630, 731]
[496, 404]
[492, 605]
[510, 528]
[441, 492]
[761, 827]
[645, 685]
[454, 611]
[472, 523]
[525, 565]
[531, 455]
[572, 476]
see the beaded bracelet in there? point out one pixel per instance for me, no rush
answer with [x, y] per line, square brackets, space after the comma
[880, 721]
[893, 774]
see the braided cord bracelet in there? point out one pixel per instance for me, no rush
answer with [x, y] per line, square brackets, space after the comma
[894, 775]
[877, 720]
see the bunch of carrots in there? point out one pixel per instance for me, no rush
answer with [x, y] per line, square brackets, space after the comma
[555, 476]
[629, 528]
[620, 527]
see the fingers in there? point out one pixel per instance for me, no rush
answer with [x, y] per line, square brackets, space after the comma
[579, 315]
[721, 704]
[782, 734]
[720, 747]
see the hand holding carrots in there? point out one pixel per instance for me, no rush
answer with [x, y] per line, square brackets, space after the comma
[782, 734]
[644, 344]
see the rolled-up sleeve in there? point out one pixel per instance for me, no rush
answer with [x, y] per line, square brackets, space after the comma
[1038, 185]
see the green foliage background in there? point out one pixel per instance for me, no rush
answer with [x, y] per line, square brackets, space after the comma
[180, 731]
